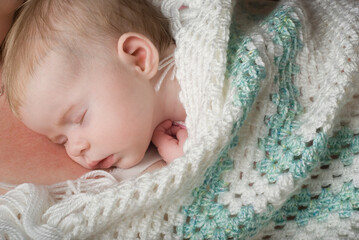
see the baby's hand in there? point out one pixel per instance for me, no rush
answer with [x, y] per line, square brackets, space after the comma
[169, 140]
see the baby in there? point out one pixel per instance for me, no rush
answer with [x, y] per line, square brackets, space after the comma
[97, 77]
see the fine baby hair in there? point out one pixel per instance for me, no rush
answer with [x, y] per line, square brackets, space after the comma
[85, 75]
[271, 100]
[44, 25]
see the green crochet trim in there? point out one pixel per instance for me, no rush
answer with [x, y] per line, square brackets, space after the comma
[304, 205]
[206, 218]
[299, 158]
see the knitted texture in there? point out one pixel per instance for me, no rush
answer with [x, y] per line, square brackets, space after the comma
[271, 92]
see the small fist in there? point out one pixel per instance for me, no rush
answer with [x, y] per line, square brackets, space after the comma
[169, 139]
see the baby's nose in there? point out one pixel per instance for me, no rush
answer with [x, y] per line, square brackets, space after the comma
[78, 147]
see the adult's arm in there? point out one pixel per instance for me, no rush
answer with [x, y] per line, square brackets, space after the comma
[24, 155]
[28, 157]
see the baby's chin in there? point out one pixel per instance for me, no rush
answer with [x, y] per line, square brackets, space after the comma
[128, 161]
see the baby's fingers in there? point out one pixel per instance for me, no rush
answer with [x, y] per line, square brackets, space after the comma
[164, 126]
[181, 135]
[160, 135]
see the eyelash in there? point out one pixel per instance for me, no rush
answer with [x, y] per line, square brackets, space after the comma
[62, 142]
[81, 119]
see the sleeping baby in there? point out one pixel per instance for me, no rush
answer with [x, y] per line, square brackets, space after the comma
[97, 77]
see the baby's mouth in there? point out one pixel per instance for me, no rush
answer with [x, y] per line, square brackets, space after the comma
[106, 162]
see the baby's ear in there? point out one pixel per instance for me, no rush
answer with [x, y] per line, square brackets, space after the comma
[139, 51]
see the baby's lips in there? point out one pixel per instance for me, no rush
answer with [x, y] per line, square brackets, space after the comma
[103, 164]
[107, 162]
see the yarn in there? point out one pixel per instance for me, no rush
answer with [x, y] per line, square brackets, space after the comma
[271, 95]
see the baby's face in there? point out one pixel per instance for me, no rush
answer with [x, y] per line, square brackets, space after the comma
[100, 110]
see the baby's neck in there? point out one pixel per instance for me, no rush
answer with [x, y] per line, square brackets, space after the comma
[169, 105]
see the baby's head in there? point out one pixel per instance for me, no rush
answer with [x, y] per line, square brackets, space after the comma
[81, 73]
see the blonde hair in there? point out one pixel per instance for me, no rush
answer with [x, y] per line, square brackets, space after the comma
[44, 24]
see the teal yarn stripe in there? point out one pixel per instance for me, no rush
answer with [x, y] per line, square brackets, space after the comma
[304, 206]
[206, 218]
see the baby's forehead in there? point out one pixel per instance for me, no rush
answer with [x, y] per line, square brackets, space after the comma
[52, 83]
[75, 55]
[55, 71]
[55, 60]
[64, 66]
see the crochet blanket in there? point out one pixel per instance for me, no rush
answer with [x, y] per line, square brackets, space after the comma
[271, 91]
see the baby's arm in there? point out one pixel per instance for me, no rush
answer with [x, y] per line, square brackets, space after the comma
[169, 140]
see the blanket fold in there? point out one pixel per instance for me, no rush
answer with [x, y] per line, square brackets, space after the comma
[271, 91]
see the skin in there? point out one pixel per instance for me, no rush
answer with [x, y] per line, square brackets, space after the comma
[21, 149]
[28, 157]
[7, 10]
[169, 138]
[103, 107]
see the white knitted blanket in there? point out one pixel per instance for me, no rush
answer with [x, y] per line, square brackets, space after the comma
[271, 92]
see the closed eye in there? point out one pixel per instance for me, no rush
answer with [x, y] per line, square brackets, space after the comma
[80, 118]
[63, 143]
[83, 117]
[61, 140]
